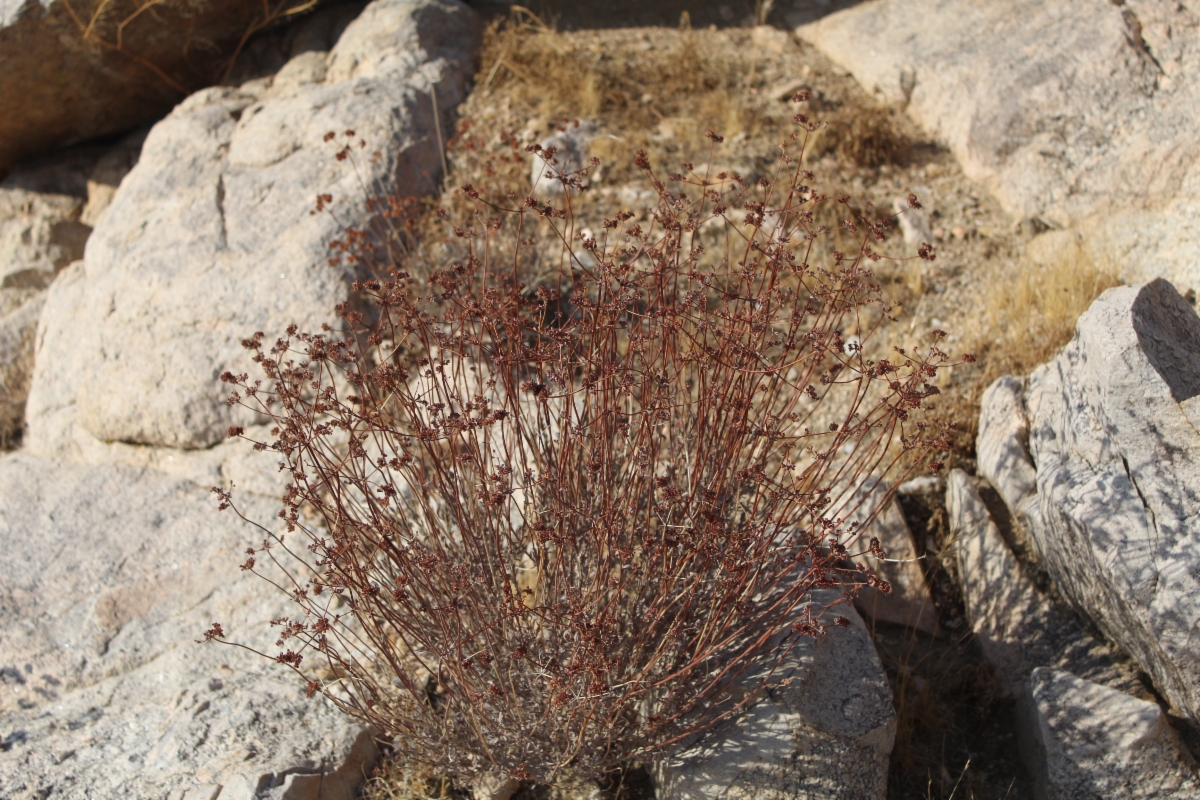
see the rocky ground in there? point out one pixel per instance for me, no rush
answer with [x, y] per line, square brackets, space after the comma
[1038, 642]
[956, 732]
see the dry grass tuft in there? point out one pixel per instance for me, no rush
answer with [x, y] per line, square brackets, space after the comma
[1027, 317]
[1054, 285]
[530, 62]
[394, 780]
[866, 137]
[660, 90]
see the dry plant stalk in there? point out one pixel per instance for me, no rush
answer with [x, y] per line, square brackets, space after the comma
[563, 521]
[115, 17]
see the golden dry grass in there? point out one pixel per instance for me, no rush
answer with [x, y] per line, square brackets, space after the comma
[1025, 318]
[660, 90]
[1034, 315]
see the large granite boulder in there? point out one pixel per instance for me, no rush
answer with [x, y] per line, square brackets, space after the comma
[210, 237]
[111, 574]
[1073, 111]
[83, 69]
[1112, 437]
[823, 728]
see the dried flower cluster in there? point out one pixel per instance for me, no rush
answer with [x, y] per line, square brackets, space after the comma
[532, 528]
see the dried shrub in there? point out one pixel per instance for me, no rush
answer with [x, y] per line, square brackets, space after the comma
[866, 137]
[538, 528]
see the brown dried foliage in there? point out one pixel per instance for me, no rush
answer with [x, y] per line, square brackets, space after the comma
[565, 519]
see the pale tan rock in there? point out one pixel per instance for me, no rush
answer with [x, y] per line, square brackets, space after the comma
[914, 223]
[111, 574]
[40, 227]
[494, 787]
[909, 602]
[1077, 112]
[1001, 447]
[824, 730]
[770, 39]
[1018, 628]
[209, 238]
[1083, 741]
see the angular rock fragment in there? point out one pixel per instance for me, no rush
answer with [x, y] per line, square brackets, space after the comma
[909, 602]
[570, 148]
[823, 729]
[1018, 628]
[1001, 448]
[914, 223]
[1084, 741]
[1113, 438]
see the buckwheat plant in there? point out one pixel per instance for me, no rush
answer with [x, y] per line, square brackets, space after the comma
[538, 528]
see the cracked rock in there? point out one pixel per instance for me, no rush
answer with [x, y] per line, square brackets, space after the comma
[1017, 626]
[1113, 442]
[209, 237]
[1084, 741]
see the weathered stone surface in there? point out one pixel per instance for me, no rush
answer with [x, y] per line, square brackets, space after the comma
[107, 175]
[1001, 448]
[40, 227]
[1018, 628]
[823, 729]
[1079, 112]
[209, 238]
[1112, 424]
[494, 787]
[88, 68]
[909, 602]
[1084, 741]
[17, 330]
[914, 223]
[111, 574]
